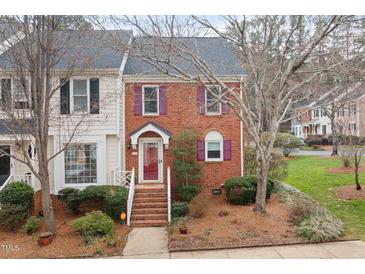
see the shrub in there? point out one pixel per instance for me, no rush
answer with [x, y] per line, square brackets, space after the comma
[340, 137]
[114, 197]
[287, 143]
[242, 190]
[92, 225]
[198, 207]
[179, 209]
[186, 168]
[12, 216]
[71, 197]
[17, 193]
[116, 202]
[278, 164]
[301, 209]
[320, 227]
[313, 141]
[32, 225]
[186, 193]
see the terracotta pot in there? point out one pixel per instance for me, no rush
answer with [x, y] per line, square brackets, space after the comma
[45, 238]
[183, 230]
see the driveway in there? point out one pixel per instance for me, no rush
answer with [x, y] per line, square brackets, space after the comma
[151, 243]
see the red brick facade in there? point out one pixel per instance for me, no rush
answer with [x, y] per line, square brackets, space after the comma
[37, 205]
[182, 111]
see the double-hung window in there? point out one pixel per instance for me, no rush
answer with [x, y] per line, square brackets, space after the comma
[80, 95]
[21, 93]
[353, 109]
[80, 164]
[214, 146]
[150, 100]
[213, 104]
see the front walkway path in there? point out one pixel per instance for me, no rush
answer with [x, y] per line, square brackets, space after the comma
[146, 243]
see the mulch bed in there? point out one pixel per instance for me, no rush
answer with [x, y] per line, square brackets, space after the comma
[242, 227]
[67, 244]
[349, 192]
[345, 170]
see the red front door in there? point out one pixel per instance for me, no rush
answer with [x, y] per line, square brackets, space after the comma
[150, 161]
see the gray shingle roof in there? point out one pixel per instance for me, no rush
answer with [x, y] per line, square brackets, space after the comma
[82, 50]
[11, 127]
[216, 52]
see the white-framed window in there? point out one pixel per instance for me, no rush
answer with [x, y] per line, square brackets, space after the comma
[353, 110]
[317, 113]
[21, 93]
[341, 112]
[150, 97]
[213, 106]
[81, 163]
[80, 95]
[213, 146]
[352, 127]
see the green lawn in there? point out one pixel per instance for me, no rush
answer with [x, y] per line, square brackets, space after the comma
[309, 174]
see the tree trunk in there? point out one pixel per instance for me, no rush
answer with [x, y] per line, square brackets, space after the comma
[334, 137]
[358, 186]
[262, 174]
[47, 201]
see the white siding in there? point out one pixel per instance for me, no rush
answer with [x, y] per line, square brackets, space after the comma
[112, 150]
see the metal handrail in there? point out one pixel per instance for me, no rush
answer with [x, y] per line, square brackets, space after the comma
[130, 197]
[168, 194]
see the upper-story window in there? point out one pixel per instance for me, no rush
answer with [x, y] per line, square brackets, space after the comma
[213, 105]
[353, 109]
[317, 113]
[150, 100]
[79, 95]
[15, 93]
[341, 112]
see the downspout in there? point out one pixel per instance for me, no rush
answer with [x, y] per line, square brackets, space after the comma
[241, 132]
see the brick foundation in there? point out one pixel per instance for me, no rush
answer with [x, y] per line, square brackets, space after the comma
[37, 205]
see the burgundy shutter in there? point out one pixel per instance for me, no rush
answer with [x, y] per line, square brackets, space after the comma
[162, 100]
[137, 100]
[201, 100]
[227, 150]
[201, 150]
[225, 107]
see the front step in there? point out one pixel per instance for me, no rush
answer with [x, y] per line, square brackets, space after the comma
[150, 200]
[149, 217]
[142, 223]
[149, 207]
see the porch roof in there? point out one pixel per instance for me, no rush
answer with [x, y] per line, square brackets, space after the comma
[150, 126]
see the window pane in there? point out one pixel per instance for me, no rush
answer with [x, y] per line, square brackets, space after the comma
[80, 164]
[214, 150]
[150, 93]
[80, 103]
[150, 106]
[213, 104]
[79, 87]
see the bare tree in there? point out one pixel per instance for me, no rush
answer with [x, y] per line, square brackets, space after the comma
[29, 109]
[278, 53]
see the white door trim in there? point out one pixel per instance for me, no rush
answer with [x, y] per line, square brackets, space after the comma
[140, 160]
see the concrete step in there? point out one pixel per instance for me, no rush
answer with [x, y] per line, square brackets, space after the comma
[150, 200]
[149, 217]
[149, 211]
[142, 223]
[149, 205]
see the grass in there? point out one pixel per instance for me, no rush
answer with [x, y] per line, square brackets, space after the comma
[309, 174]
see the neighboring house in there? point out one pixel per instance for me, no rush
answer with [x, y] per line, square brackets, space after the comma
[311, 118]
[133, 114]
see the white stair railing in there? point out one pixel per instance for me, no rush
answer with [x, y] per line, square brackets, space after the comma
[18, 178]
[130, 197]
[120, 177]
[168, 194]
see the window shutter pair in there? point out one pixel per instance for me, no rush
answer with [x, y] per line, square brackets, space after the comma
[201, 102]
[94, 96]
[138, 100]
[227, 152]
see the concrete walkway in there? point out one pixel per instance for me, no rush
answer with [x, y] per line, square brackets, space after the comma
[151, 243]
[334, 250]
[147, 243]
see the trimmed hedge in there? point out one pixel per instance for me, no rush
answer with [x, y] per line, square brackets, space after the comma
[242, 190]
[17, 193]
[114, 197]
[179, 209]
[185, 193]
[12, 216]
